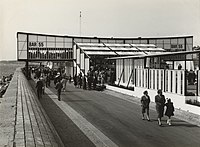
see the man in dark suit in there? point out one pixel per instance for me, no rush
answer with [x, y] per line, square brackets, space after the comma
[59, 87]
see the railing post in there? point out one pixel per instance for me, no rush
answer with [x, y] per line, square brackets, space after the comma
[135, 77]
[130, 78]
[197, 88]
[148, 75]
[185, 84]
[121, 76]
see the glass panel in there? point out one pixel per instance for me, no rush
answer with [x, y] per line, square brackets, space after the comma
[174, 41]
[77, 40]
[152, 41]
[68, 45]
[144, 41]
[22, 46]
[22, 37]
[104, 41]
[50, 44]
[111, 41]
[94, 40]
[136, 41]
[59, 45]
[68, 40]
[189, 40]
[42, 38]
[160, 45]
[167, 41]
[50, 39]
[167, 46]
[181, 40]
[120, 41]
[22, 54]
[32, 38]
[86, 40]
[129, 41]
[59, 39]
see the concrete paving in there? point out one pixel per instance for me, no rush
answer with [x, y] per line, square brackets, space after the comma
[23, 122]
[117, 119]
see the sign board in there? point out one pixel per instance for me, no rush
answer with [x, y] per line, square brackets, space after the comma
[36, 44]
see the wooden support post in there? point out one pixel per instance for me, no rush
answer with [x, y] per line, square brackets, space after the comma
[121, 76]
[129, 78]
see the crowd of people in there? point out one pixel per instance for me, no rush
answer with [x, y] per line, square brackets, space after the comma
[93, 80]
[160, 107]
[4, 83]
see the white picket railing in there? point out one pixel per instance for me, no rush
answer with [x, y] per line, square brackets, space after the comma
[172, 81]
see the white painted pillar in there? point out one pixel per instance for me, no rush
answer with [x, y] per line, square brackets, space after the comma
[179, 82]
[145, 80]
[159, 75]
[152, 81]
[169, 80]
[183, 82]
[174, 82]
[156, 81]
[87, 65]
[138, 77]
[142, 77]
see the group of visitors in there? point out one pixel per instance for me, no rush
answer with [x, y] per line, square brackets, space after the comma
[160, 105]
[93, 80]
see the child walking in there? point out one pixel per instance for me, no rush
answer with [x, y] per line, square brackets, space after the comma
[169, 111]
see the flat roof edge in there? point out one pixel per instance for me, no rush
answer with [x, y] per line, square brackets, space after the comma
[114, 38]
[156, 55]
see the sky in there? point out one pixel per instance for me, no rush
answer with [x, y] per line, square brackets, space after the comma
[100, 18]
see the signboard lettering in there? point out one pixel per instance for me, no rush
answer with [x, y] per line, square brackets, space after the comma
[36, 44]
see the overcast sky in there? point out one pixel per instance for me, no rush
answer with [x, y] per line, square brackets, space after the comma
[101, 18]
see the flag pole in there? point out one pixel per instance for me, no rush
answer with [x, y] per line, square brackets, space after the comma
[80, 23]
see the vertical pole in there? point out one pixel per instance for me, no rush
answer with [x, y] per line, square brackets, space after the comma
[129, 78]
[185, 90]
[17, 46]
[199, 59]
[123, 71]
[121, 76]
[80, 23]
[27, 72]
[135, 77]
[148, 78]
[197, 88]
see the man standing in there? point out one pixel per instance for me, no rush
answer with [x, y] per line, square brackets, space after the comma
[39, 87]
[145, 100]
[59, 87]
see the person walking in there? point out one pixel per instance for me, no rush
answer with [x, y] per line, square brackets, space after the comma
[64, 82]
[75, 80]
[39, 87]
[59, 87]
[145, 101]
[169, 111]
[160, 103]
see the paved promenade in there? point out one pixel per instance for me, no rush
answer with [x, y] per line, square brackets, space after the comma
[86, 119]
[23, 121]
[91, 118]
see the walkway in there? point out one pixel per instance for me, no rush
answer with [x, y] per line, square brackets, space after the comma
[25, 124]
[84, 117]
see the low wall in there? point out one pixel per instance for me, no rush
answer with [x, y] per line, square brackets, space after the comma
[8, 113]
